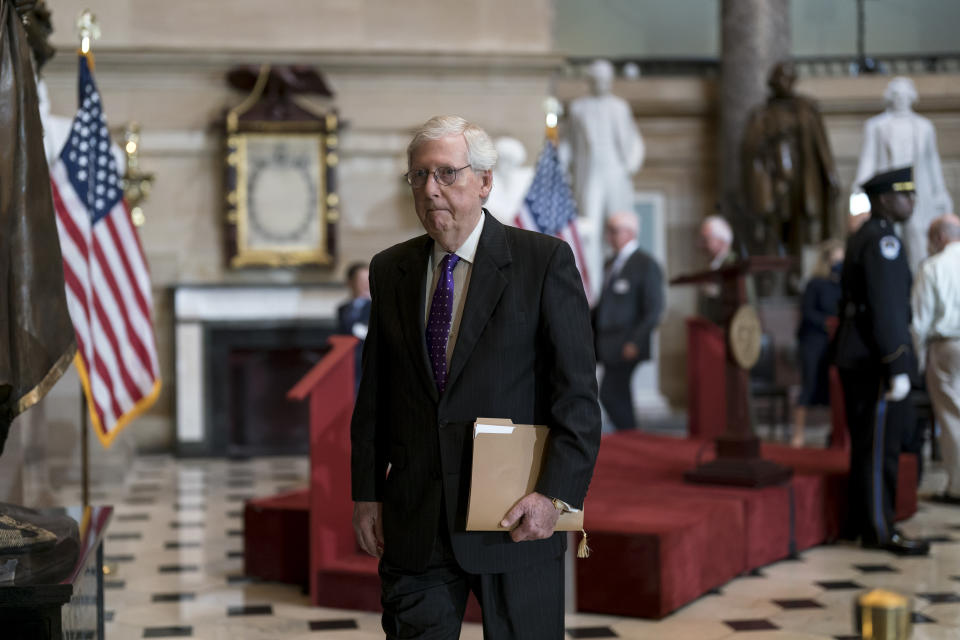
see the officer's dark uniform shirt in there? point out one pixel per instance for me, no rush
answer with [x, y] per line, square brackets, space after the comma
[875, 309]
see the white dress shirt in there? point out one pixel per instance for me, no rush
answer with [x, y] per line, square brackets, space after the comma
[935, 300]
[461, 280]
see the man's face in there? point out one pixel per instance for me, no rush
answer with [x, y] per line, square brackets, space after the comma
[360, 284]
[900, 204]
[449, 213]
[782, 79]
[617, 236]
[710, 243]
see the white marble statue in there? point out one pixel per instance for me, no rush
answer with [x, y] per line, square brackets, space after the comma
[605, 150]
[511, 180]
[899, 137]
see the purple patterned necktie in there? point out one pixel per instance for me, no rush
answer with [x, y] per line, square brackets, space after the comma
[438, 324]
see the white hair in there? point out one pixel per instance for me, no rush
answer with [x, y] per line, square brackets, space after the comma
[900, 84]
[481, 153]
[718, 227]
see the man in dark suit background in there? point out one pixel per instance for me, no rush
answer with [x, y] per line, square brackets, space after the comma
[353, 316]
[630, 306]
[473, 319]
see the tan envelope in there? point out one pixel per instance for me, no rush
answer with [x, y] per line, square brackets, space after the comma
[506, 465]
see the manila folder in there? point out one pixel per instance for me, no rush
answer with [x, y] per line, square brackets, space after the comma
[506, 466]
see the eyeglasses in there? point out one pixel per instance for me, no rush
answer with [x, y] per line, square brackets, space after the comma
[446, 176]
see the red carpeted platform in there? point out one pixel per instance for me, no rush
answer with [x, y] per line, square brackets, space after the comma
[660, 543]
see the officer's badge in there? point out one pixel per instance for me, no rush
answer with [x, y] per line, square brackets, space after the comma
[889, 247]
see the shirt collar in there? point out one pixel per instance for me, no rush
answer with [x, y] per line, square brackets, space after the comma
[627, 250]
[467, 251]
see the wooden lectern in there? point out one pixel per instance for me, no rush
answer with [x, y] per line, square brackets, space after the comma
[738, 460]
[339, 574]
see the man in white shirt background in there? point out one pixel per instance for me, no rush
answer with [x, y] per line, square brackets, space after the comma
[935, 326]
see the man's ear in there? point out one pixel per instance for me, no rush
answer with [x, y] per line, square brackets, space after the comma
[486, 183]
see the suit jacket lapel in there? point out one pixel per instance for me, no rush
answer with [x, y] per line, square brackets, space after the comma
[411, 298]
[487, 283]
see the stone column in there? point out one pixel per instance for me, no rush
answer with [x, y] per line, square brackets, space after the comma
[755, 35]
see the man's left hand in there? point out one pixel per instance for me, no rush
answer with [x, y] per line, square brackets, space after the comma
[630, 351]
[536, 516]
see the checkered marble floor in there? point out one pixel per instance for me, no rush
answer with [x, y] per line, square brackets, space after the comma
[174, 558]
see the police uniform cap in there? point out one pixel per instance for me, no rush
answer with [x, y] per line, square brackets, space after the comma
[894, 180]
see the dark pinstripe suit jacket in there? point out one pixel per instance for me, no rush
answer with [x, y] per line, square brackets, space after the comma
[524, 352]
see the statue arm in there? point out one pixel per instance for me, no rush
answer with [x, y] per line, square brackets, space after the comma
[941, 195]
[867, 165]
[632, 149]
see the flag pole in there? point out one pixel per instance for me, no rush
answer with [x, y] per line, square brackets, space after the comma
[88, 31]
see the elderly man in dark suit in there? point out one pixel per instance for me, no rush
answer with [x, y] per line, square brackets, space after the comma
[472, 319]
[631, 303]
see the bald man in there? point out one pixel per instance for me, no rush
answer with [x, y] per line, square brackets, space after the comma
[935, 327]
[630, 306]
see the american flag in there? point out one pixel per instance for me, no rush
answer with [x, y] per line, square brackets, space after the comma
[106, 275]
[549, 207]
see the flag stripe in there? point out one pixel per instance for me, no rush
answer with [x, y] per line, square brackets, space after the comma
[128, 269]
[111, 296]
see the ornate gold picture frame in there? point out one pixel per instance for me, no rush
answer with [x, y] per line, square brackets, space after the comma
[281, 203]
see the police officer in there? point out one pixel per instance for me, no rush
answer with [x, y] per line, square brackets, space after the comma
[874, 358]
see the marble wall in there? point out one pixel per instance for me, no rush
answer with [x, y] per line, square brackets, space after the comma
[164, 65]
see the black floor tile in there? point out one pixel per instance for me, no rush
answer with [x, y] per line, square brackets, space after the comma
[179, 568]
[234, 514]
[144, 488]
[875, 568]
[750, 625]
[123, 557]
[187, 525]
[847, 638]
[940, 539]
[196, 506]
[591, 632]
[831, 585]
[251, 610]
[287, 477]
[235, 533]
[940, 598]
[125, 535]
[132, 517]
[234, 554]
[755, 573]
[240, 484]
[168, 632]
[182, 545]
[108, 616]
[140, 501]
[918, 618]
[114, 584]
[800, 603]
[173, 597]
[332, 625]
[240, 579]
[239, 497]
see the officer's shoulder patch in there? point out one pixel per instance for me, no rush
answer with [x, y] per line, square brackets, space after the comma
[889, 247]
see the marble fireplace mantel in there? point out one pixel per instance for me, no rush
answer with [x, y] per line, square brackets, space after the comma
[197, 308]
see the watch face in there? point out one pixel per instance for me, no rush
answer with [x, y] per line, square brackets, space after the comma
[283, 185]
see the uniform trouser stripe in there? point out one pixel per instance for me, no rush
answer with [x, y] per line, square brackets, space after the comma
[879, 519]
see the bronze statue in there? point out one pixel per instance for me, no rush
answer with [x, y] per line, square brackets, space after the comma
[789, 179]
[37, 342]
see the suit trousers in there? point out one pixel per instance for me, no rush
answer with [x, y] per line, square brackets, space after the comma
[429, 605]
[876, 428]
[943, 385]
[615, 394]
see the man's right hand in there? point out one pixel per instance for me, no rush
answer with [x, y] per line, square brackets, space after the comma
[368, 525]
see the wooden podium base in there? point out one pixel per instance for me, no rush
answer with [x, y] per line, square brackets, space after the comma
[739, 464]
